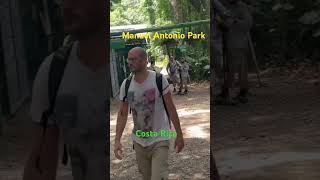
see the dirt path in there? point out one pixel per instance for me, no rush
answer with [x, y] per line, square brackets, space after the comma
[193, 162]
[275, 136]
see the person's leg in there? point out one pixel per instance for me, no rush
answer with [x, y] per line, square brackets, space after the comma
[244, 84]
[185, 84]
[174, 87]
[181, 86]
[243, 79]
[229, 80]
[232, 63]
[143, 160]
[77, 164]
[186, 87]
[96, 158]
[160, 166]
[229, 84]
[174, 83]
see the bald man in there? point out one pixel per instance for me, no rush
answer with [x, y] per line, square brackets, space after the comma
[151, 132]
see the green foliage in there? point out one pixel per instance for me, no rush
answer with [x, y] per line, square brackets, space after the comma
[199, 64]
[151, 10]
[168, 12]
[126, 12]
[163, 12]
[285, 29]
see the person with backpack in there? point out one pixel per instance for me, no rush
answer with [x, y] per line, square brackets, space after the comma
[184, 75]
[173, 70]
[70, 99]
[148, 97]
[236, 47]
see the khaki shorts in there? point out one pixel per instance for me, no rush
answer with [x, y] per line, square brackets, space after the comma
[153, 160]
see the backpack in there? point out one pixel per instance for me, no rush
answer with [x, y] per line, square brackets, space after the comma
[56, 71]
[159, 86]
[173, 68]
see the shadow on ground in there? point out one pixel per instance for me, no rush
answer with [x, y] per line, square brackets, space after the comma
[275, 136]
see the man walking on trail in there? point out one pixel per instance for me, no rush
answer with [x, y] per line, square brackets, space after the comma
[173, 68]
[150, 113]
[184, 75]
[77, 108]
[236, 45]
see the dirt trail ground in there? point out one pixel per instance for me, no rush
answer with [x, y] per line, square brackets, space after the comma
[193, 161]
[274, 137]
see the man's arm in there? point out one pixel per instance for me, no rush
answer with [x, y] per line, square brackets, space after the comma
[121, 120]
[173, 113]
[175, 120]
[43, 159]
[121, 124]
[44, 149]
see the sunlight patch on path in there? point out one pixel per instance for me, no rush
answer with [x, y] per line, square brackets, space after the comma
[196, 132]
[188, 112]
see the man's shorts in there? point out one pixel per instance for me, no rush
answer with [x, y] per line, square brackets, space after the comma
[153, 160]
[184, 78]
[237, 60]
[175, 79]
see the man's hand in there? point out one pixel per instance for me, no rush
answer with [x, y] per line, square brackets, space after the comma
[173, 115]
[121, 124]
[179, 144]
[118, 150]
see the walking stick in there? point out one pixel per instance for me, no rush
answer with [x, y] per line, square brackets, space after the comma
[254, 57]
